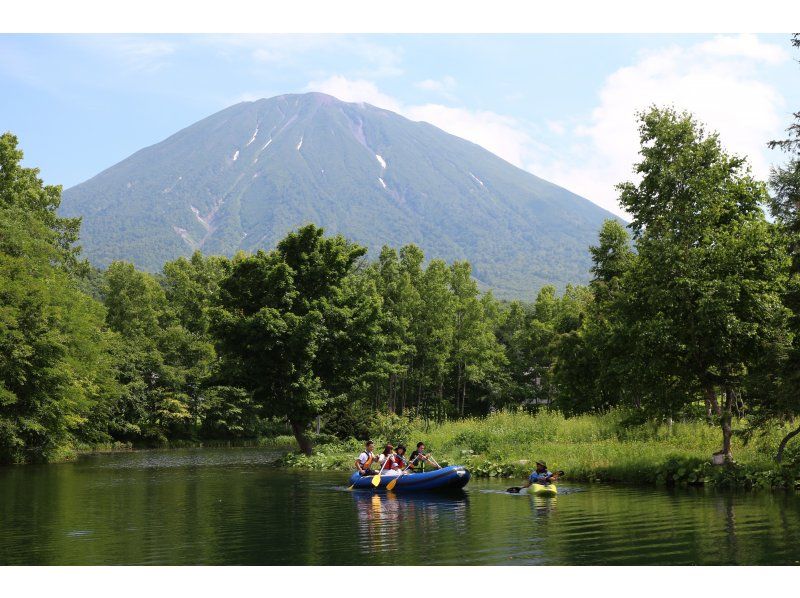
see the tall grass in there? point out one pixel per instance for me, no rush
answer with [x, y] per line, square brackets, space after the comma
[604, 447]
[589, 447]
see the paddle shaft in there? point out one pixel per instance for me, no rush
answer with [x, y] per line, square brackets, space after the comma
[367, 463]
[393, 483]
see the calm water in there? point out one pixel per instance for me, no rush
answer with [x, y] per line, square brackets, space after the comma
[225, 506]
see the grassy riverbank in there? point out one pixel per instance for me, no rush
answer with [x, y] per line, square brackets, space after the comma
[607, 448]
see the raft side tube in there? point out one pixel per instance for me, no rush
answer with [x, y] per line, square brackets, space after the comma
[447, 478]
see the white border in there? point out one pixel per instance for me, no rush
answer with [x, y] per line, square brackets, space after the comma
[419, 582]
[400, 16]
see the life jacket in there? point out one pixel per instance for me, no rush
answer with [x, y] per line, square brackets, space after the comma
[370, 458]
[417, 460]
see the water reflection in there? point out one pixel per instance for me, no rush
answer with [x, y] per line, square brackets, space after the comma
[225, 506]
[384, 518]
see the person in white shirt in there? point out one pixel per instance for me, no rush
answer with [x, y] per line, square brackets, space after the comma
[366, 459]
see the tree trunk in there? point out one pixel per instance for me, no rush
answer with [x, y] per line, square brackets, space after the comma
[784, 442]
[403, 395]
[390, 400]
[726, 418]
[458, 386]
[712, 405]
[299, 431]
[727, 432]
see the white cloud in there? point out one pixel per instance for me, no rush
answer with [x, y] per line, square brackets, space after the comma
[502, 135]
[141, 53]
[744, 46]
[556, 127]
[355, 90]
[374, 59]
[444, 86]
[717, 81]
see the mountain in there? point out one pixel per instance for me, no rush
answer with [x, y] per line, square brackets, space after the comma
[245, 176]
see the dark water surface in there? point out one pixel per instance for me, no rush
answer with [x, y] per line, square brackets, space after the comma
[226, 506]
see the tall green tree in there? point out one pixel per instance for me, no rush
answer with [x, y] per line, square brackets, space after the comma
[476, 354]
[592, 360]
[707, 283]
[53, 361]
[295, 328]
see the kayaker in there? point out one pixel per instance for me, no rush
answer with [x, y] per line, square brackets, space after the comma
[541, 475]
[419, 458]
[366, 459]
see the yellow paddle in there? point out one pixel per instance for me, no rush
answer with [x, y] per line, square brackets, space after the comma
[393, 483]
[376, 479]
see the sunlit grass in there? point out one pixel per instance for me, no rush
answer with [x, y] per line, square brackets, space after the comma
[602, 447]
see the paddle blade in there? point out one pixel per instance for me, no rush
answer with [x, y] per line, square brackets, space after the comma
[376, 480]
[392, 484]
[514, 489]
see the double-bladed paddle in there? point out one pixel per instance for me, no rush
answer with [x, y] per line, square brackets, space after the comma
[516, 489]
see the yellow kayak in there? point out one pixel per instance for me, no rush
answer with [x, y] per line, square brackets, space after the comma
[543, 489]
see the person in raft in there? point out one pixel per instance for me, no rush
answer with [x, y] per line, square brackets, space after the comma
[388, 451]
[397, 463]
[419, 458]
[392, 463]
[366, 459]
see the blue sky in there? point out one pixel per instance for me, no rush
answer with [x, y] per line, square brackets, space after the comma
[560, 106]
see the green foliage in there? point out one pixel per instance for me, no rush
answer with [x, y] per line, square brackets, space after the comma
[693, 322]
[53, 367]
[298, 326]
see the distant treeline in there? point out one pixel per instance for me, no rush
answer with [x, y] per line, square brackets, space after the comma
[693, 315]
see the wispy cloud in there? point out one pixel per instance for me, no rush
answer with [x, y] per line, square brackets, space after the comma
[371, 59]
[444, 86]
[139, 53]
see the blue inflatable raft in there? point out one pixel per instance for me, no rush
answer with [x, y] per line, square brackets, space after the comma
[452, 477]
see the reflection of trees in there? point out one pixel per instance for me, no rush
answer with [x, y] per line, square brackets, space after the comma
[404, 527]
[140, 508]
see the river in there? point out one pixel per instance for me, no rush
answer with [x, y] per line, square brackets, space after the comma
[227, 506]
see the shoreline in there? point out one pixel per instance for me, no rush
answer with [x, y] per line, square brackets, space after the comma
[608, 448]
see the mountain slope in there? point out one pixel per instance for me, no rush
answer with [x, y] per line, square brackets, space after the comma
[245, 176]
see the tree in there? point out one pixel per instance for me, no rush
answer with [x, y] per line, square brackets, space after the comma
[400, 302]
[191, 287]
[294, 326]
[705, 288]
[476, 354]
[54, 366]
[433, 331]
[592, 361]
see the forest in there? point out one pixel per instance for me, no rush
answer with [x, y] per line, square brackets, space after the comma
[692, 314]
